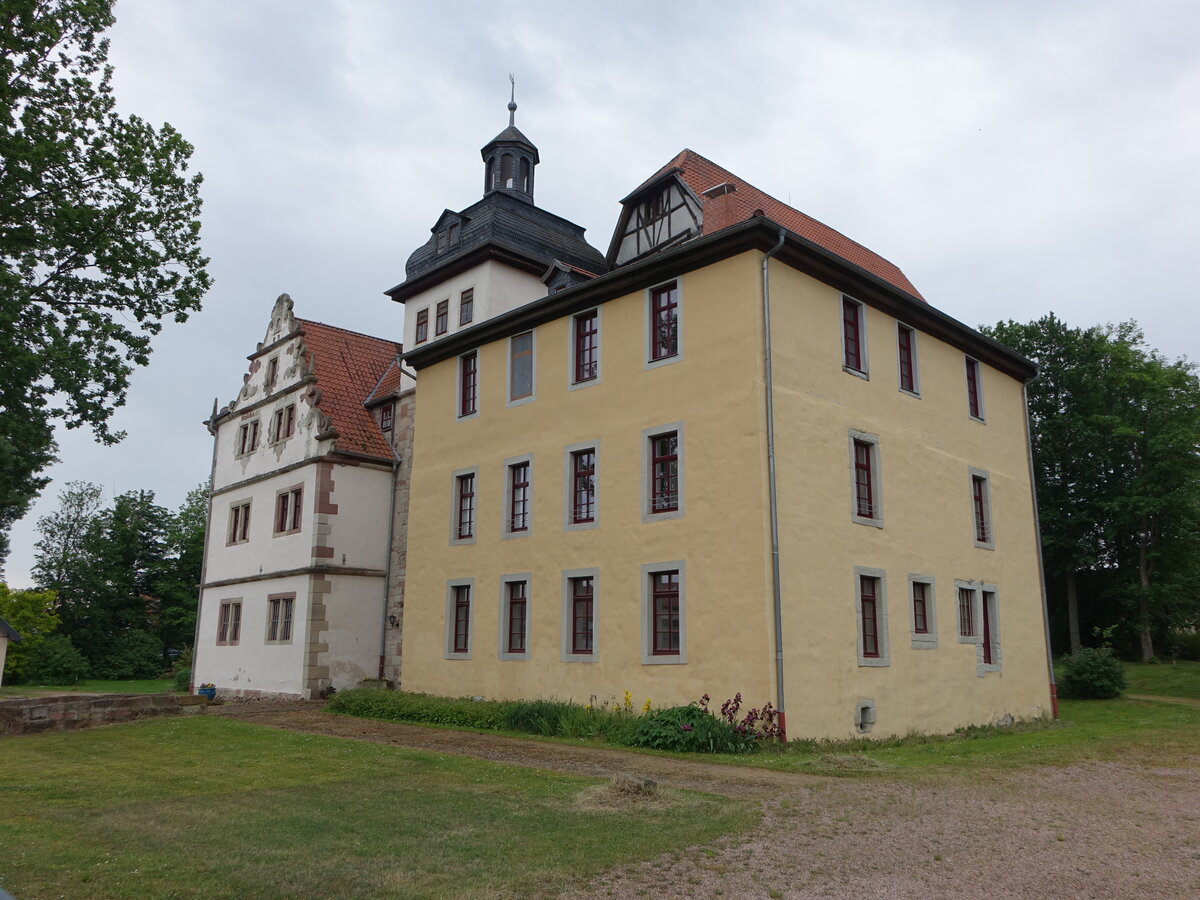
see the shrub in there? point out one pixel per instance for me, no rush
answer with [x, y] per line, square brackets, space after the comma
[181, 670]
[55, 661]
[398, 706]
[1092, 674]
[132, 654]
[690, 729]
[1185, 645]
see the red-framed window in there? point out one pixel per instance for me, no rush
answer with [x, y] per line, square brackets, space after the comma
[284, 422]
[985, 609]
[852, 345]
[979, 502]
[587, 346]
[289, 510]
[869, 600]
[864, 479]
[468, 378]
[518, 497]
[904, 347]
[422, 326]
[664, 321]
[239, 523]
[466, 507]
[664, 472]
[966, 612]
[664, 593]
[280, 608]
[466, 306]
[462, 618]
[518, 606]
[920, 599]
[441, 321]
[387, 415]
[247, 438]
[583, 486]
[582, 615]
[229, 622]
[520, 366]
[974, 405]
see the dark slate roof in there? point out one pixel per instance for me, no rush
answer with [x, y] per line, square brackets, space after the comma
[9, 632]
[514, 225]
[510, 135]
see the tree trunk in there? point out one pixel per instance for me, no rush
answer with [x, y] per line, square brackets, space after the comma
[1073, 612]
[1144, 596]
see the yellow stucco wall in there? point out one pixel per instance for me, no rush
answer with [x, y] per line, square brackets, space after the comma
[716, 391]
[927, 447]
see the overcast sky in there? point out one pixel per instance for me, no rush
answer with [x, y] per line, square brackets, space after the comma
[1013, 158]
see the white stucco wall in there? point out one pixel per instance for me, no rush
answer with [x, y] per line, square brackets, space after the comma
[264, 552]
[498, 288]
[3, 653]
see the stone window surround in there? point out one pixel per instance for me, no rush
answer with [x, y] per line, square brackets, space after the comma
[572, 349]
[876, 520]
[455, 540]
[569, 486]
[980, 591]
[648, 434]
[291, 628]
[566, 654]
[503, 652]
[648, 339]
[294, 502]
[972, 474]
[506, 532]
[864, 372]
[231, 537]
[223, 616]
[915, 356]
[448, 650]
[649, 657]
[509, 400]
[929, 640]
[881, 617]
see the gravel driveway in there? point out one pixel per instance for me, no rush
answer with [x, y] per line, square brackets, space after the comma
[1088, 830]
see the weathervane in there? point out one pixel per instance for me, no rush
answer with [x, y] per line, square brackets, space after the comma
[512, 101]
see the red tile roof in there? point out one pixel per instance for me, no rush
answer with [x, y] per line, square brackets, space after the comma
[348, 366]
[745, 201]
[389, 383]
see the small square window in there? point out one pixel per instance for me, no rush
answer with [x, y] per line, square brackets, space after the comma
[387, 414]
[229, 622]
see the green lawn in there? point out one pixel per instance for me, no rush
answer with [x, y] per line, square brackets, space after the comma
[91, 686]
[207, 807]
[1180, 678]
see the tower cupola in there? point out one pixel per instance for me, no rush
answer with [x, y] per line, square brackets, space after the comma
[509, 159]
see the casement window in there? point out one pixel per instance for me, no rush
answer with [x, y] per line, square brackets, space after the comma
[580, 605]
[229, 622]
[516, 617]
[583, 486]
[664, 599]
[272, 371]
[247, 440]
[519, 497]
[462, 618]
[854, 343]
[422, 334]
[870, 607]
[239, 523]
[974, 390]
[923, 612]
[520, 367]
[866, 480]
[966, 612]
[468, 384]
[664, 473]
[664, 322]
[283, 423]
[441, 320]
[466, 306]
[387, 414]
[583, 613]
[465, 507]
[586, 347]
[280, 609]
[289, 509]
[906, 357]
[981, 509]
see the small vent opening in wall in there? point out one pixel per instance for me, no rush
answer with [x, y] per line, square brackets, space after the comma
[864, 716]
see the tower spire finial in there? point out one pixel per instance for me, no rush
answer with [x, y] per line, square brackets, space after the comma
[512, 100]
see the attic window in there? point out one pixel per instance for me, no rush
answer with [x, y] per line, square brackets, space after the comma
[448, 237]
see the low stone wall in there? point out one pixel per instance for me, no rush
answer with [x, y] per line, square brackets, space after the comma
[67, 712]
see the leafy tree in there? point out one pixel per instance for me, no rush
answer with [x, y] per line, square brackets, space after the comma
[32, 614]
[56, 661]
[99, 237]
[178, 590]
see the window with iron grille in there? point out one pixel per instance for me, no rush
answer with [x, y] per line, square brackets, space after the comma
[587, 346]
[229, 622]
[664, 591]
[664, 321]
[981, 510]
[518, 497]
[864, 488]
[465, 527]
[966, 612]
[664, 472]
[280, 608]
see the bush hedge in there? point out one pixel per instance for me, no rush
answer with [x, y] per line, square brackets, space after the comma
[55, 661]
[1092, 674]
[396, 706]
